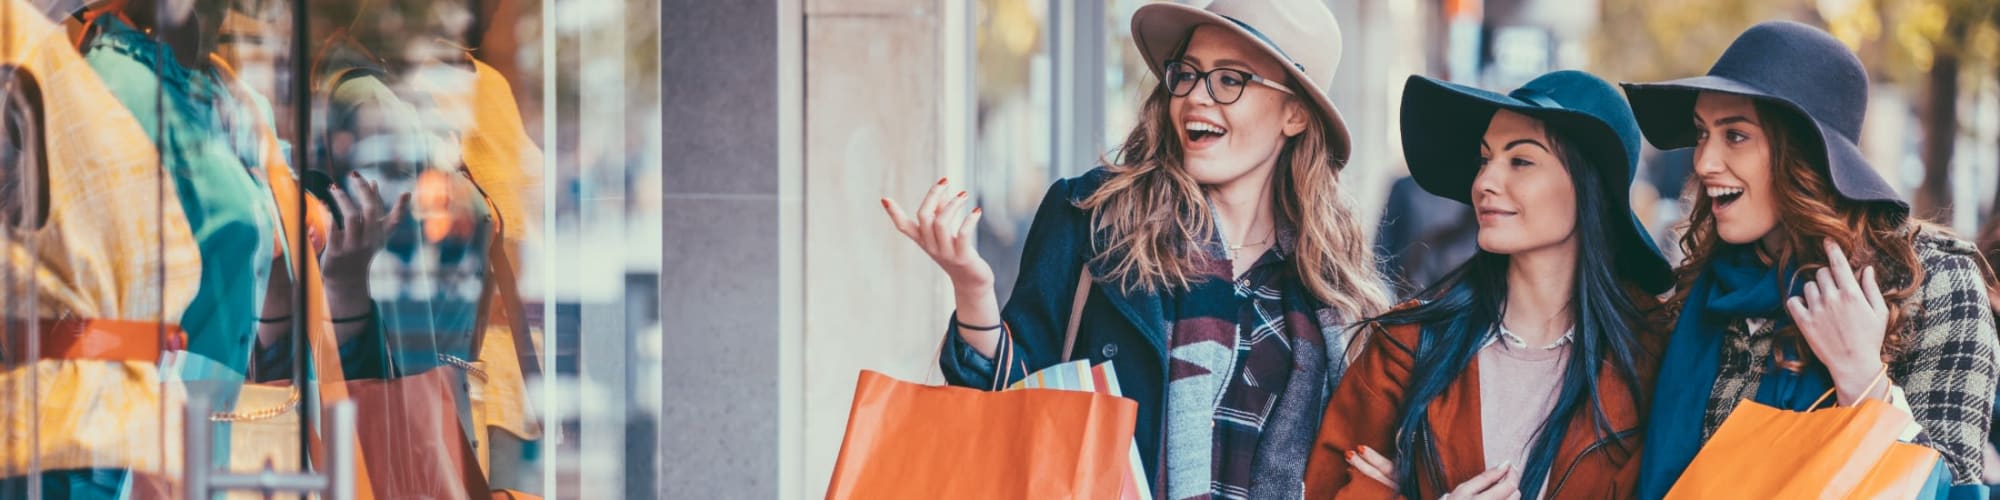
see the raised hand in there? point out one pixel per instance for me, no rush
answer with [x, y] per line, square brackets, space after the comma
[943, 228]
[1843, 318]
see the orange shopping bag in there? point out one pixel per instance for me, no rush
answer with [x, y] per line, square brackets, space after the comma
[1846, 452]
[907, 440]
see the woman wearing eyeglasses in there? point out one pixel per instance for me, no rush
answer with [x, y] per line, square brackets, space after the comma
[1222, 260]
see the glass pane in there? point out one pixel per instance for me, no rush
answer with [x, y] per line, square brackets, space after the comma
[1011, 149]
[222, 209]
[597, 271]
[1126, 77]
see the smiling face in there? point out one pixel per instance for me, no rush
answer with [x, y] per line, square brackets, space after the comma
[1222, 143]
[1523, 194]
[1732, 159]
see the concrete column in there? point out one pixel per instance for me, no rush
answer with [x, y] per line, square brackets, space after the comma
[722, 269]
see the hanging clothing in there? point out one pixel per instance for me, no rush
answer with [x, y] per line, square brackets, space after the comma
[503, 162]
[116, 264]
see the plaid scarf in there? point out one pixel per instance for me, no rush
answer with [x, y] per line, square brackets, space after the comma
[1232, 357]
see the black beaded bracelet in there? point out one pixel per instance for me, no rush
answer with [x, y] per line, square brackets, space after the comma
[962, 325]
[357, 318]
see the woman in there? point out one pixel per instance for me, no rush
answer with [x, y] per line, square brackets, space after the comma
[1805, 272]
[1523, 374]
[388, 108]
[1223, 260]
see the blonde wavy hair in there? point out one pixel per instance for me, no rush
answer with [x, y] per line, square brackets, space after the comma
[1152, 217]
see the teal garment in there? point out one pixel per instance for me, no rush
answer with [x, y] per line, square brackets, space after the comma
[208, 146]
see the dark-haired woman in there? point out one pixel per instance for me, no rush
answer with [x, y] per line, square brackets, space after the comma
[1523, 373]
[1805, 272]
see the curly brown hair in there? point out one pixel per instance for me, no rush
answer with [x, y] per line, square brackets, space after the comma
[1811, 212]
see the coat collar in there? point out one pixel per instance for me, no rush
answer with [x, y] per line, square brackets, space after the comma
[1455, 420]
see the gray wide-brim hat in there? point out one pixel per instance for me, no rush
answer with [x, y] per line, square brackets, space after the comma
[1302, 34]
[1802, 70]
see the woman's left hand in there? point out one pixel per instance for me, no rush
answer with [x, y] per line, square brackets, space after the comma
[365, 226]
[1843, 318]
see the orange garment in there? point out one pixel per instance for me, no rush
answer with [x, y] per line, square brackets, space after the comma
[1365, 408]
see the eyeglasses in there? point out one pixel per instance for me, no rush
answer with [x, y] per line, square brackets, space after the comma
[1225, 85]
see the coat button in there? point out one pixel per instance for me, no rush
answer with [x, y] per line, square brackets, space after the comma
[1109, 351]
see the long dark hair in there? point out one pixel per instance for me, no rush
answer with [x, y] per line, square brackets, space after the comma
[1464, 305]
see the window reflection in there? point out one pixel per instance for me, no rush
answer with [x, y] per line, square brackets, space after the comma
[179, 223]
[1011, 158]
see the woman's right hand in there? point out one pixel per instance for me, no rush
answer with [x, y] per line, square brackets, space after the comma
[1498, 483]
[944, 231]
[1373, 465]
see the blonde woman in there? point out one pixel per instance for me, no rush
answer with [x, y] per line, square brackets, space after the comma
[1224, 261]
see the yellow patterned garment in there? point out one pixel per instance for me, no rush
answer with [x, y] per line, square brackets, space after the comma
[504, 162]
[116, 245]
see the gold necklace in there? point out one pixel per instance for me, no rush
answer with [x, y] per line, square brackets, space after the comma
[1234, 249]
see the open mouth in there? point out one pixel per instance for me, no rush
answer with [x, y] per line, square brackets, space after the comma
[1725, 196]
[1201, 133]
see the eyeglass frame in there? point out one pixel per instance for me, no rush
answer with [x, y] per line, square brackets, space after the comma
[1203, 77]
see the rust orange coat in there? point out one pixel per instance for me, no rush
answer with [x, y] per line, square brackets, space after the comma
[1364, 409]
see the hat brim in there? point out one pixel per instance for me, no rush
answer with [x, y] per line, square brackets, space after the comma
[1443, 124]
[1159, 29]
[1665, 111]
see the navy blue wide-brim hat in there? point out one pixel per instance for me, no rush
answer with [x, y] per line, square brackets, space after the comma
[1802, 70]
[1443, 124]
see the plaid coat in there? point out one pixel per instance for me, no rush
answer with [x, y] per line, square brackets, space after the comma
[1948, 371]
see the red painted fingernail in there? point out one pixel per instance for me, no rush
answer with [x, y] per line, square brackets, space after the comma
[977, 210]
[1350, 454]
[941, 180]
[961, 194]
[885, 203]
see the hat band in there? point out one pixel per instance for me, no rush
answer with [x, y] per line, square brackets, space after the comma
[1267, 41]
[1537, 97]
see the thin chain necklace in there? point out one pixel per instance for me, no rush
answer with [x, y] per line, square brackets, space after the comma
[1234, 249]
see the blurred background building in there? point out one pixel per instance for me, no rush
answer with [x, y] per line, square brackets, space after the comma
[785, 121]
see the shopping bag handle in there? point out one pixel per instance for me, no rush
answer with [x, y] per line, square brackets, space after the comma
[1005, 358]
[1880, 376]
[1076, 312]
[1003, 366]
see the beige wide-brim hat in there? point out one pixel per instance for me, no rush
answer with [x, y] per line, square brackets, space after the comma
[1302, 34]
